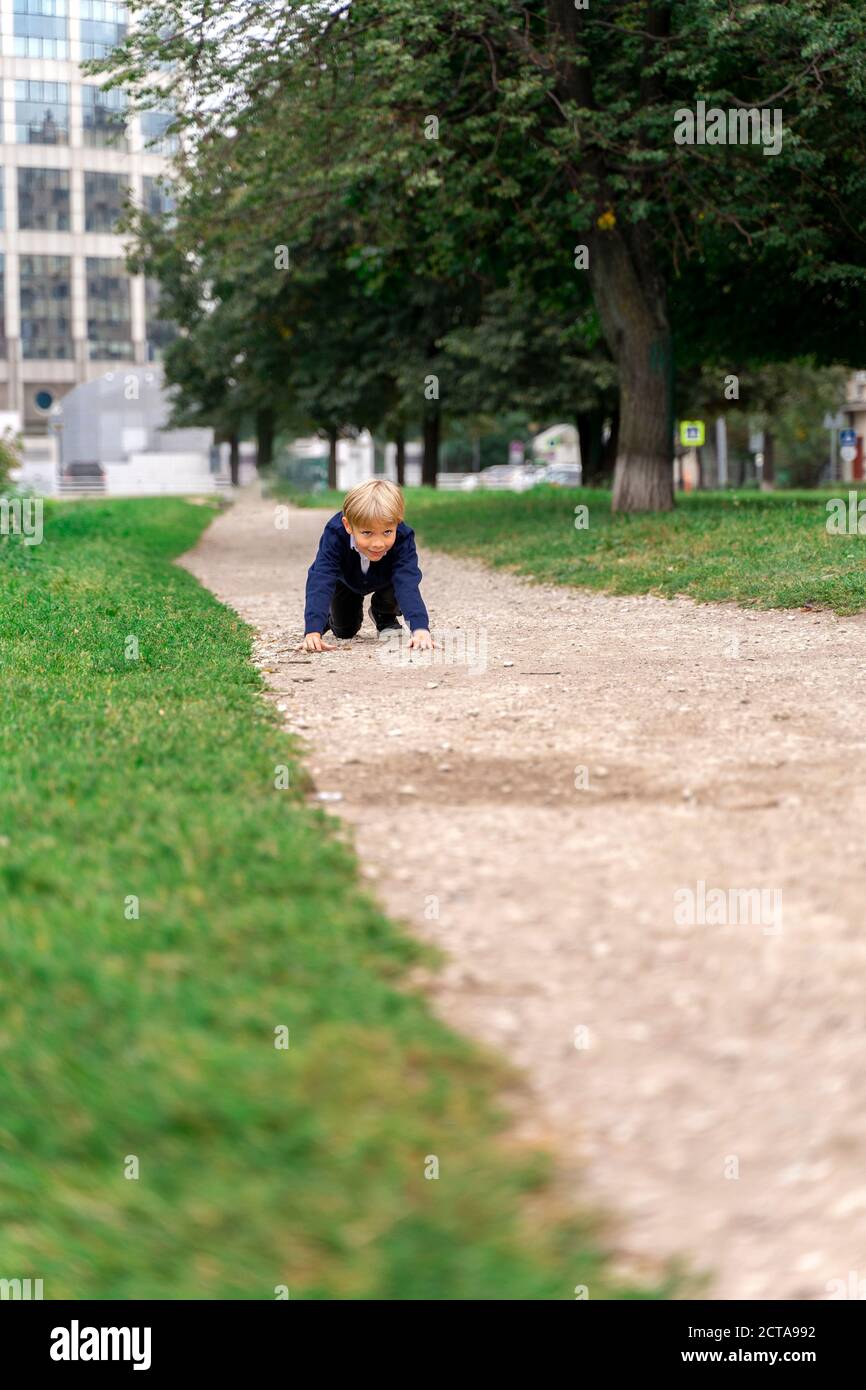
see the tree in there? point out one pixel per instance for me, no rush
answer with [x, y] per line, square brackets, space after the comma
[787, 401]
[597, 107]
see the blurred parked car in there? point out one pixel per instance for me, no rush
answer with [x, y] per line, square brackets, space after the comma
[563, 474]
[513, 477]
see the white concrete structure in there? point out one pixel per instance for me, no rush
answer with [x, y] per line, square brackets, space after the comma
[414, 455]
[355, 460]
[115, 431]
[148, 475]
[70, 312]
[557, 445]
[123, 411]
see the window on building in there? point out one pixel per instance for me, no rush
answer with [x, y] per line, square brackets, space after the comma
[46, 319]
[41, 29]
[154, 130]
[103, 26]
[158, 199]
[109, 315]
[160, 331]
[104, 196]
[43, 200]
[103, 116]
[42, 113]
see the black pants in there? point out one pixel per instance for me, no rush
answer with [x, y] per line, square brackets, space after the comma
[347, 610]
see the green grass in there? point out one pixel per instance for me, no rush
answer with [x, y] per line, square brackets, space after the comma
[763, 550]
[154, 1037]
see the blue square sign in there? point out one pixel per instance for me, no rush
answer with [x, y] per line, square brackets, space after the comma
[848, 437]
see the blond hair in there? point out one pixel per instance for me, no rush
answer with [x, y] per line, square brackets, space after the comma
[374, 500]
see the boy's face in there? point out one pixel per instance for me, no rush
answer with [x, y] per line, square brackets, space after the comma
[373, 538]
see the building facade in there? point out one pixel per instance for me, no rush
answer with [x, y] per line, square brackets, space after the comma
[69, 311]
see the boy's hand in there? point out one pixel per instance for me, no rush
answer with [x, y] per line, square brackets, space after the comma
[313, 643]
[421, 639]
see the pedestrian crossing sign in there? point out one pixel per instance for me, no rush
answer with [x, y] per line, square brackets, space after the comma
[692, 433]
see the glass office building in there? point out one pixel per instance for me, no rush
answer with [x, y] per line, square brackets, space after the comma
[71, 157]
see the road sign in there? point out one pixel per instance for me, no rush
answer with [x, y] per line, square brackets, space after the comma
[848, 453]
[692, 433]
[756, 441]
[848, 438]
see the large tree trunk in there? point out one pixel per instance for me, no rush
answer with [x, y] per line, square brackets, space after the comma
[332, 458]
[265, 437]
[401, 458]
[628, 292]
[234, 459]
[430, 462]
[633, 318]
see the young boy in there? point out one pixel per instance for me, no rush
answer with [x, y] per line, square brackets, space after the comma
[367, 548]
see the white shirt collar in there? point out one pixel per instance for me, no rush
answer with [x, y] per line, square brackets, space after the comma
[365, 562]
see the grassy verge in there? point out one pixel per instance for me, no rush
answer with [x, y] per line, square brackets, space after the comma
[163, 910]
[768, 550]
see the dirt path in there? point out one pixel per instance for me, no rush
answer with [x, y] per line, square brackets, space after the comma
[706, 1082]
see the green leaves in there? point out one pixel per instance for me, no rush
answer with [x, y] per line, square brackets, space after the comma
[473, 146]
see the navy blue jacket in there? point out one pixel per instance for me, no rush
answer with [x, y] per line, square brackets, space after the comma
[336, 559]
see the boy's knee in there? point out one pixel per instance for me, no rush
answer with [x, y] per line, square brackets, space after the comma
[344, 632]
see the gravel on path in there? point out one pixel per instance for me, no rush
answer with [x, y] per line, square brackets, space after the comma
[635, 827]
